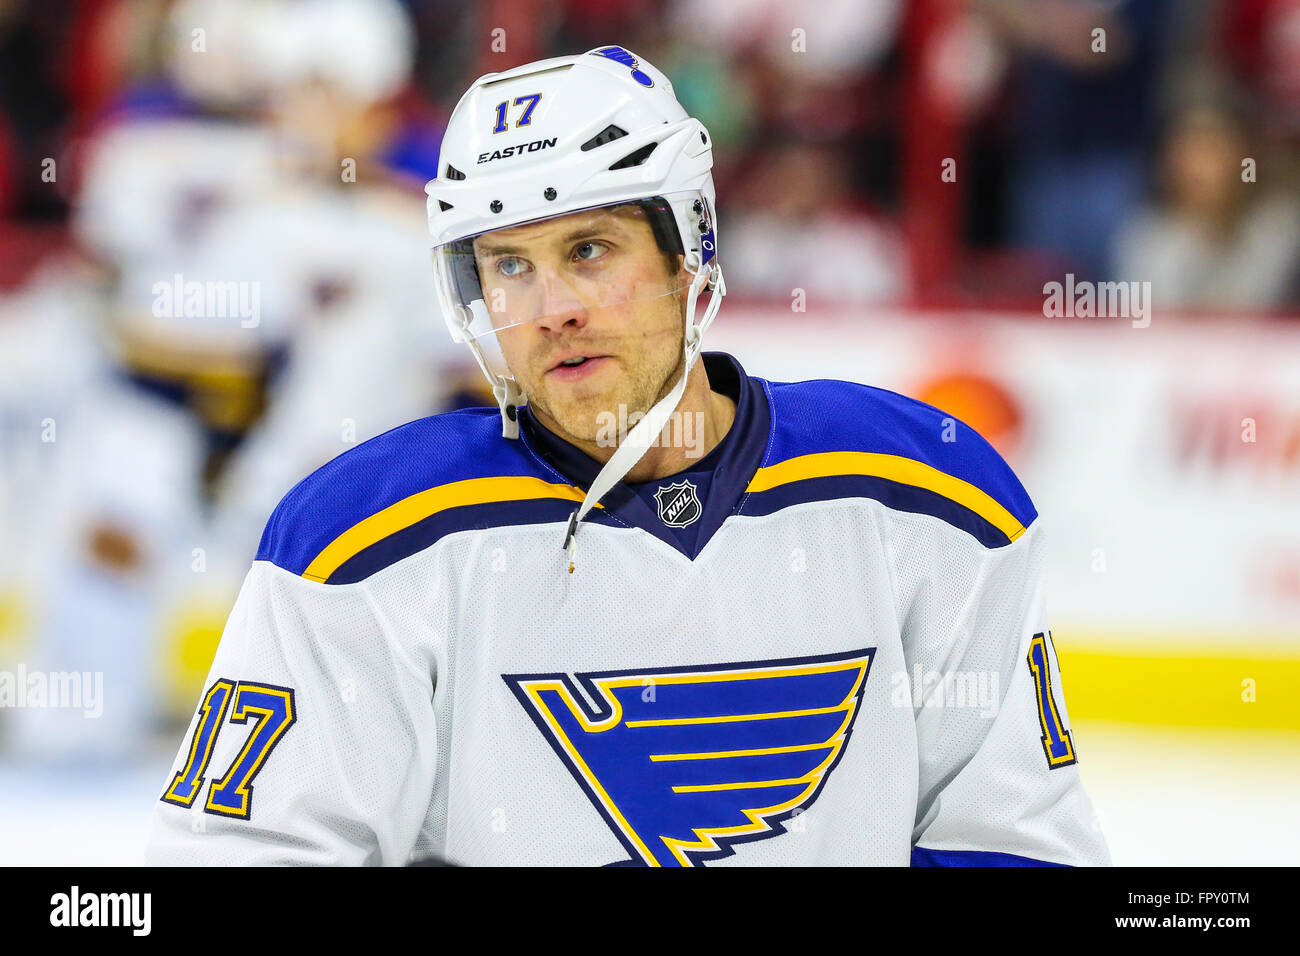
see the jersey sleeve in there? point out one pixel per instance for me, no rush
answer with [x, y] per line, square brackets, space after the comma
[314, 738]
[999, 778]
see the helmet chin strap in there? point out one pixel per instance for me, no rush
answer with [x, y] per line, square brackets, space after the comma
[504, 389]
[639, 440]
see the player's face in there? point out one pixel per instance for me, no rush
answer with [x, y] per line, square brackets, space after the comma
[594, 286]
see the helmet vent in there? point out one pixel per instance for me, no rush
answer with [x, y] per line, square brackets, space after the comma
[454, 173]
[529, 75]
[606, 135]
[635, 158]
[444, 206]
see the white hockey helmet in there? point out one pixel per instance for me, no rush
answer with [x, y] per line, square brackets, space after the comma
[565, 135]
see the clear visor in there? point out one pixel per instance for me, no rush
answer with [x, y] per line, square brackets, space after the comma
[589, 265]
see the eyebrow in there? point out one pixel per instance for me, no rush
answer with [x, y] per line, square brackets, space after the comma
[587, 232]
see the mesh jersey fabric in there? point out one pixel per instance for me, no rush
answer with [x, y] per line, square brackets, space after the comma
[854, 669]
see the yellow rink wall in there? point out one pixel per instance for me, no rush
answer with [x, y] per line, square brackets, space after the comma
[1141, 680]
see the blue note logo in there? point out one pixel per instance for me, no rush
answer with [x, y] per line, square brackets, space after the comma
[619, 55]
[684, 763]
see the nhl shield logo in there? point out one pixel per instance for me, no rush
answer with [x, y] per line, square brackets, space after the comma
[679, 505]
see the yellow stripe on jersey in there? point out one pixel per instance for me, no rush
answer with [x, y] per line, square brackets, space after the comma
[417, 507]
[906, 471]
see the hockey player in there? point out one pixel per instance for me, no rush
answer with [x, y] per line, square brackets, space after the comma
[652, 610]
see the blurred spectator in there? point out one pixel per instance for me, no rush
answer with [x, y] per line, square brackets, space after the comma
[1085, 108]
[831, 41]
[1212, 240]
[800, 227]
[773, 66]
[34, 64]
[1260, 44]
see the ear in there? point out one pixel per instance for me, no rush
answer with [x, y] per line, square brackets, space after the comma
[677, 268]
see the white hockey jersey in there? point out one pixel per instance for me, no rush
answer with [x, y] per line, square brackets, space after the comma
[823, 643]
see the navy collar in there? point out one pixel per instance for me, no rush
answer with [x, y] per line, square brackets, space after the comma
[717, 481]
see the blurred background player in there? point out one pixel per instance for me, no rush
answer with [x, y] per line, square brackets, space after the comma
[271, 172]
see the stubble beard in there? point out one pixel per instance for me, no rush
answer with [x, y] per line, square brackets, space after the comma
[584, 420]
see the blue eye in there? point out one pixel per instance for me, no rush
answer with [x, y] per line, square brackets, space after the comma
[510, 266]
[597, 249]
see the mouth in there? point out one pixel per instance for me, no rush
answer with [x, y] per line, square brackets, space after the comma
[573, 367]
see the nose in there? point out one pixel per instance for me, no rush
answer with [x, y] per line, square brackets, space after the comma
[559, 306]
